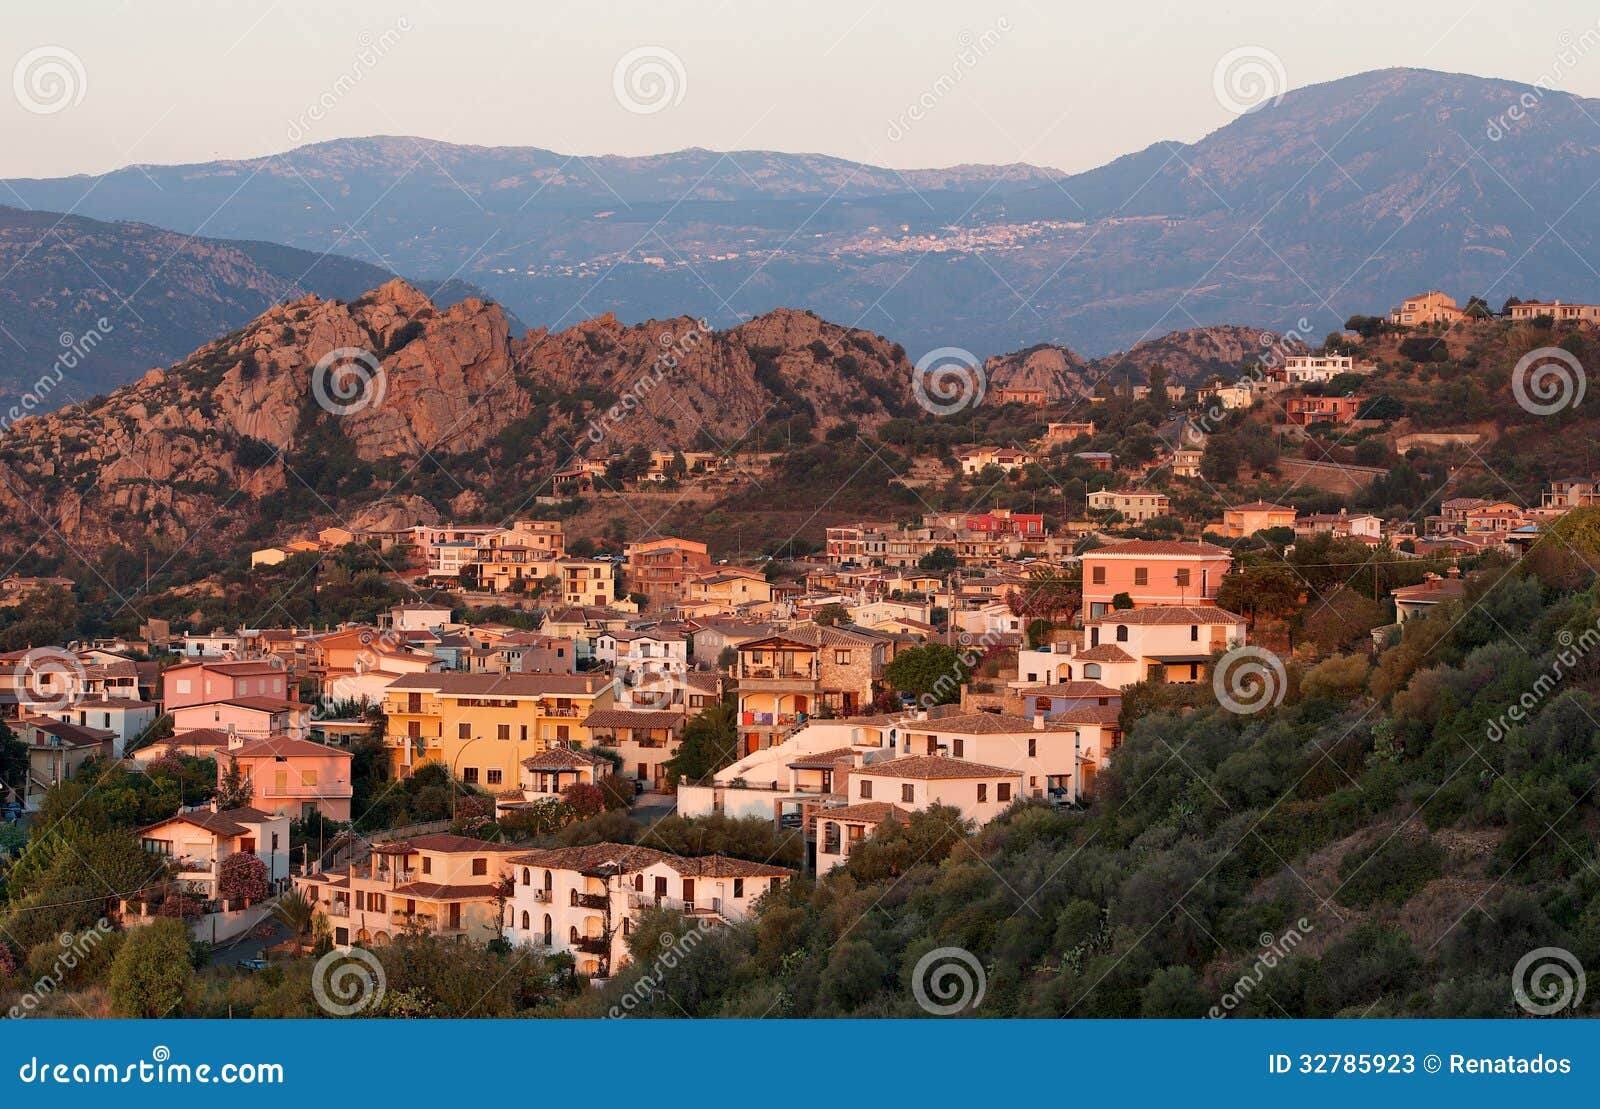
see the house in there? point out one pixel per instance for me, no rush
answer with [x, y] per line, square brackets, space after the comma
[1171, 643]
[1152, 572]
[57, 751]
[840, 830]
[643, 739]
[660, 569]
[1044, 752]
[981, 792]
[204, 681]
[123, 717]
[1359, 525]
[1021, 394]
[481, 726]
[1419, 600]
[1568, 493]
[1103, 461]
[785, 678]
[251, 717]
[586, 900]
[551, 773]
[978, 459]
[730, 587]
[587, 581]
[293, 777]
[1067, 430]
[1304, 411]
[415, 616]
[1137, 505]
[1186, 461]
[1425, 308]
[196, 842]
[1300, 369]
[1247, 519]
[198, 743]
[441, 884]
[1530, 310]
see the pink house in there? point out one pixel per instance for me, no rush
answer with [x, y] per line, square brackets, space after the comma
[198, 683]
[1152, 572]
[293, 777]
[250, 717]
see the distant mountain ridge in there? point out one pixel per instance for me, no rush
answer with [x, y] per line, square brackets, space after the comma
[1342, 197]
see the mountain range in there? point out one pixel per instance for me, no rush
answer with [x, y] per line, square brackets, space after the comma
[1336, 199]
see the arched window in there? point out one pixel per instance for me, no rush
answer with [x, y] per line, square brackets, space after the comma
[549, 930]
[1091, 671]
[573, 894]
[524, 876]
[547, 881]
[572, 934]
[526, 922]
[1122, 633]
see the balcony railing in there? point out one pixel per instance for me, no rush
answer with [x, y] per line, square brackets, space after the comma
[593, 945]
[543, 897]
[591, 900]
[338, 909]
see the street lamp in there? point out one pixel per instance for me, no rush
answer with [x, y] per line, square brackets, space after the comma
[453, 764]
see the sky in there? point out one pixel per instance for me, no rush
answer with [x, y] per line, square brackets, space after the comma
[98, 84]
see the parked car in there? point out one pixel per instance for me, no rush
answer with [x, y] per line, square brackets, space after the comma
[252, 965]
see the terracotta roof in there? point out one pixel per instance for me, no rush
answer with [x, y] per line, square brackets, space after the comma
[1090, 714]
[1158, 547]
[632, 718]
[500, 685]
[560, 758]
[263, 704]
[624, 856]
[229, 822]
[433, 891]
[439, 841]
[721, 866]
[1170, 614]
[976, 723]
[282, 746]
[1262, 506]
[195, 737]
[1072, 689]
[1106, 652]
[822, 760]
[935, 766]
[868, 812]
[242, 668]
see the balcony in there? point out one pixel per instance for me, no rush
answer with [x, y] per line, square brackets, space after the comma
[339, 909]
[592, 945]
[591, 900]
[543, 897]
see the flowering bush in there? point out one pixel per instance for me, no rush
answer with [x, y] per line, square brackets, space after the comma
[243, 876]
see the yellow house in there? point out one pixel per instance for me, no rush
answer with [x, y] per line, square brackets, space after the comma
[587, 581]
[1247, 519]
[481, 726]
[730, 588]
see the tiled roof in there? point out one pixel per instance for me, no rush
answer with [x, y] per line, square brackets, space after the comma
[935, 766]
[433, 891]
[229, 822]
[822, 760]
[632, 718]
[721, 866]
[282, 746]
[445, 842]
[975, 723]
[870, 812]
[499, 685]
[1158, 547]
[1089, 714]
[1106, 652]
[1071, 689]
[562, 758]
[624, 856]
[1170, 614]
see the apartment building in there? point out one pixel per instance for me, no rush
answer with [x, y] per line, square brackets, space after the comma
[786, 678]
[1137, 505]
[1425, 308]
[196, 842]
[293, 777]
[1152, 572]
[660, 569]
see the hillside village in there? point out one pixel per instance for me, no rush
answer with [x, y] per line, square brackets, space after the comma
[479, 701]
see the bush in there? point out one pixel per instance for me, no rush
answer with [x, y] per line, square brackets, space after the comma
[1390, 872]
[151, 974]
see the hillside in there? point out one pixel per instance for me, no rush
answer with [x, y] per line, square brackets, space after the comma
[249, 433]
[1341, 197]
[161, 294]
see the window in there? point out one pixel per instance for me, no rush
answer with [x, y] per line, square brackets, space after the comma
[908, 793]
[958, 747]
[866, 789]
[1122, 633]
[983, 792]
[494, 777]
[470, 775]
[1033, 747]
[183, 685]
[525, 877]
[1097, 575]
[524, 734]
[480, 866]
[308, 777]
[1194, 633]
[525, 921]
[1141, 575]
[1002, 792]
[274, 842]
[427, 865]
[463, 731]
[841, 658]
[502, 731]
[1182, 578]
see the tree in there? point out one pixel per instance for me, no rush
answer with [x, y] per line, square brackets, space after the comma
[1050, 595]
[234, 790]
[296, 911]
[243, 875]
[710, 742]
[151, 974]
[831, 616]
[933, 672]
[1260, 589]
[940, 560]
[584, 800]
[13, 761]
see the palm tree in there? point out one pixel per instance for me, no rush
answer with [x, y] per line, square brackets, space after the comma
[295, 910]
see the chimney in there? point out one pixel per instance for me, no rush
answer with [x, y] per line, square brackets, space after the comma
[235, 740]
[1038, 721]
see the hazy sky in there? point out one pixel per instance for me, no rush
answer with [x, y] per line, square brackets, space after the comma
[1045, 81]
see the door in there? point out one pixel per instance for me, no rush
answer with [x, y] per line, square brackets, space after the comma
[688, 893]
[455, 914]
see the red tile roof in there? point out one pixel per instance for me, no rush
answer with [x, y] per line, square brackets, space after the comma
[935, 766]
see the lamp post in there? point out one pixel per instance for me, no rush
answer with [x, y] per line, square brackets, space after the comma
[453, 783]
